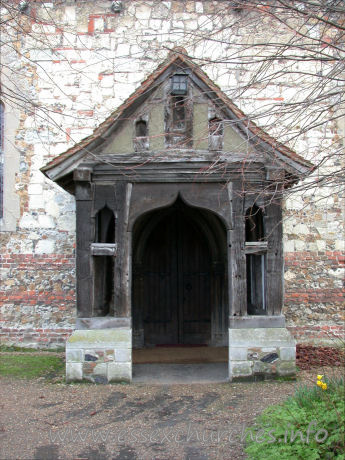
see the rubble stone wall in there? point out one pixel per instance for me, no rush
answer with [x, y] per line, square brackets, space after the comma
[74, 63]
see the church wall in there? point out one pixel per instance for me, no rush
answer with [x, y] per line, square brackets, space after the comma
[78, 63]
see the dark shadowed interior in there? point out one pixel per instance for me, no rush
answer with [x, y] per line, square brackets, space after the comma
[179, 292]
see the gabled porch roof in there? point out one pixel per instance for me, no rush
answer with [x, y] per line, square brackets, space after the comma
[263, 143]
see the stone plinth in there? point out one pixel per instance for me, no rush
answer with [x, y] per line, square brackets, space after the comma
[99, 355]
[261, 353]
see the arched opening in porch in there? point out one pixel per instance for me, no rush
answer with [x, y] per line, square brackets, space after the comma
[179, 284]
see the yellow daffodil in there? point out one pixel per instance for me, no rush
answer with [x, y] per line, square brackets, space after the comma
[324, 386]
[319, 377]
[319, 383]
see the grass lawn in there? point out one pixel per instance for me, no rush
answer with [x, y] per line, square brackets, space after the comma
[50, 367]
[8, 348]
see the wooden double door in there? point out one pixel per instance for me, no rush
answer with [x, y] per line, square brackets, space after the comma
[173, 288]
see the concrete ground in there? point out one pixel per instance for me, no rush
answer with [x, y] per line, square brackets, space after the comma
[180, 373]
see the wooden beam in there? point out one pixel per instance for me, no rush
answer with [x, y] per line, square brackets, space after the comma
[257, 247]
[103, 249]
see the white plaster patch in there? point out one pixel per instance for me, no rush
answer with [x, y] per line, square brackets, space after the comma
[69, 16]
[198, 7]
[107, 81]
[35, 189]
[67, 222]
[45, 221]
[289, 246]
[301, 229]
[340, 245]
[300, 245]
[289, 275]
[52, 208]
[45, 247]
[321, 245]
[338, 273]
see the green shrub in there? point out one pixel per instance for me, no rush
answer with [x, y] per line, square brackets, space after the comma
[309, 425]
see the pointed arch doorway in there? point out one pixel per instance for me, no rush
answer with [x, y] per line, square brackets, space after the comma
[179, 283]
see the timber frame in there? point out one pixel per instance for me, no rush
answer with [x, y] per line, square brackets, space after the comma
[224, 183]
[130, 199]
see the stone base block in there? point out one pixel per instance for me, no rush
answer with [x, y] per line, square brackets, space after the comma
[261, 353]
[99, 355]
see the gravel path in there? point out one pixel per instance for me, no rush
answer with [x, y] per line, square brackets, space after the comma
[122, 422]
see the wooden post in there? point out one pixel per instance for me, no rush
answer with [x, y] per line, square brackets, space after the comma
[84, 231]
[122, 281]
[236, 256]
[275, 259]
